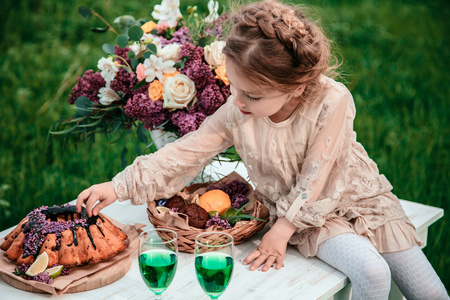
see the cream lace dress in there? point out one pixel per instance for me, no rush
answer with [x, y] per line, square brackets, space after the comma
[308, 168]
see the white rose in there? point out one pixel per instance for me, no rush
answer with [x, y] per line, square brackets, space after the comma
[169, 52]
[179, 92]
[213, 54]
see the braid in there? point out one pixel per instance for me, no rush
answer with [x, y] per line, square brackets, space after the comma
[280, 43]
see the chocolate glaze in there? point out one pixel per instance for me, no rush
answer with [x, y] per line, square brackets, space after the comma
[69, 213]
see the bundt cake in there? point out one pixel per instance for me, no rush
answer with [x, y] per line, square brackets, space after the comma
[68, 237]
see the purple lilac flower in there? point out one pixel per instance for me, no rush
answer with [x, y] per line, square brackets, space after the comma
[232, 188]
[187, 121]
[216, 220]
[122, 52]
[65, 271]
[124, 81]
[196, 67]
[35, 235]
[43, 277]
[238, 200]
[181, 36]
[225, 89]
[209, 100]
[88, 85]
[148, 111]
[217, 28]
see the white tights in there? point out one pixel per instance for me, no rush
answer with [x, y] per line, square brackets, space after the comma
[370, 271]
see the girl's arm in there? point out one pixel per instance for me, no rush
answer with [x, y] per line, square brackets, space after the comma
[165, 172]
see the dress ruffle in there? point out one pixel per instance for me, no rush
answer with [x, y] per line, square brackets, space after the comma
[395, 235]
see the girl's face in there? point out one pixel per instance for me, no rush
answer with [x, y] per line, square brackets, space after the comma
[256, 103]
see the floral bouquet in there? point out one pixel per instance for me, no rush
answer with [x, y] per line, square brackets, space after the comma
[167, 73]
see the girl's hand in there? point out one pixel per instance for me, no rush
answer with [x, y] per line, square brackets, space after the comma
[103, 192]
[273, 246]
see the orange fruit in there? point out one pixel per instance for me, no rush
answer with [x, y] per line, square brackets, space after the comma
[215, 200]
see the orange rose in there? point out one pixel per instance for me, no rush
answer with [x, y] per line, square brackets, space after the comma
[155, 90]
[170, 75]
[222, 74]
[148, 27]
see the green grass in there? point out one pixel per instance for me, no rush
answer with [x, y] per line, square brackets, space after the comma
[395, 57]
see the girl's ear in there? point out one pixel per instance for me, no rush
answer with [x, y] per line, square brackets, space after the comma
[299, 91]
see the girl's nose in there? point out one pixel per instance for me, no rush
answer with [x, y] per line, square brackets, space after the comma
[237, 101]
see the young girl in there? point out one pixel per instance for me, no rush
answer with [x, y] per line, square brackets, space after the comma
[293, 128]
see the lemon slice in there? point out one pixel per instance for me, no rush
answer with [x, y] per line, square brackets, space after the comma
[55, 271]
[162, 209]
[39, 265]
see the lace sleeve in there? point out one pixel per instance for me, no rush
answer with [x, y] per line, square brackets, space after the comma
[170, 169]
[334, 124]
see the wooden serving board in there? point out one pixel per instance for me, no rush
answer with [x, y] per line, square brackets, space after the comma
[101, 278]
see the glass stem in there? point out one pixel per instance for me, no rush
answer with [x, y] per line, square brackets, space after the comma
[158, 297]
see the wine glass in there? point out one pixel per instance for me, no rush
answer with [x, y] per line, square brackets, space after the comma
[214, 262]
[158, 258]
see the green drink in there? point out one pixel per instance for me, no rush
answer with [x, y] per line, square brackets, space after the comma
[214, 270]
[158, 268]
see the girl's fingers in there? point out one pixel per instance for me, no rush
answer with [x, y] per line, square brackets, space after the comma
[255, 254]
[100, 206]
[258, 262]
[279, 261]
[82, 198]
[93, 198]
[269, 262]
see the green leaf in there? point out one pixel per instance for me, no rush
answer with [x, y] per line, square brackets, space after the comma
[152, 48]
[84, 106]
[109, 48]
[203, 41]
[142, 133]
[181, 63]
[85, 12]
[135, 33]
[122, 40]
[62, 132]
[131, 54]
[123, 157]
[147, 55]
[93, 124]
[139, 85]
[138, 149]
[99, 29]
[134, 62]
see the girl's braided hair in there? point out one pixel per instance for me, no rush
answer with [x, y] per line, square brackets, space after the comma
[276, 45]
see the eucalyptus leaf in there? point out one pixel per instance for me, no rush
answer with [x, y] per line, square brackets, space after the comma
[84, 106]
[99, 29]
[134, 62]
[109, 48]
[152, 48]
[131, 54]
[147, 55]
[85, 12]
[122, 40]
[135, 33]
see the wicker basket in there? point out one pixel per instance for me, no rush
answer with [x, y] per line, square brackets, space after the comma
[241, 232]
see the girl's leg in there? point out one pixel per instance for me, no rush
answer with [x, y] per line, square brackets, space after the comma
[357, 258]
[414, 275]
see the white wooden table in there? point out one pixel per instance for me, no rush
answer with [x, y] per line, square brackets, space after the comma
[301, 278]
